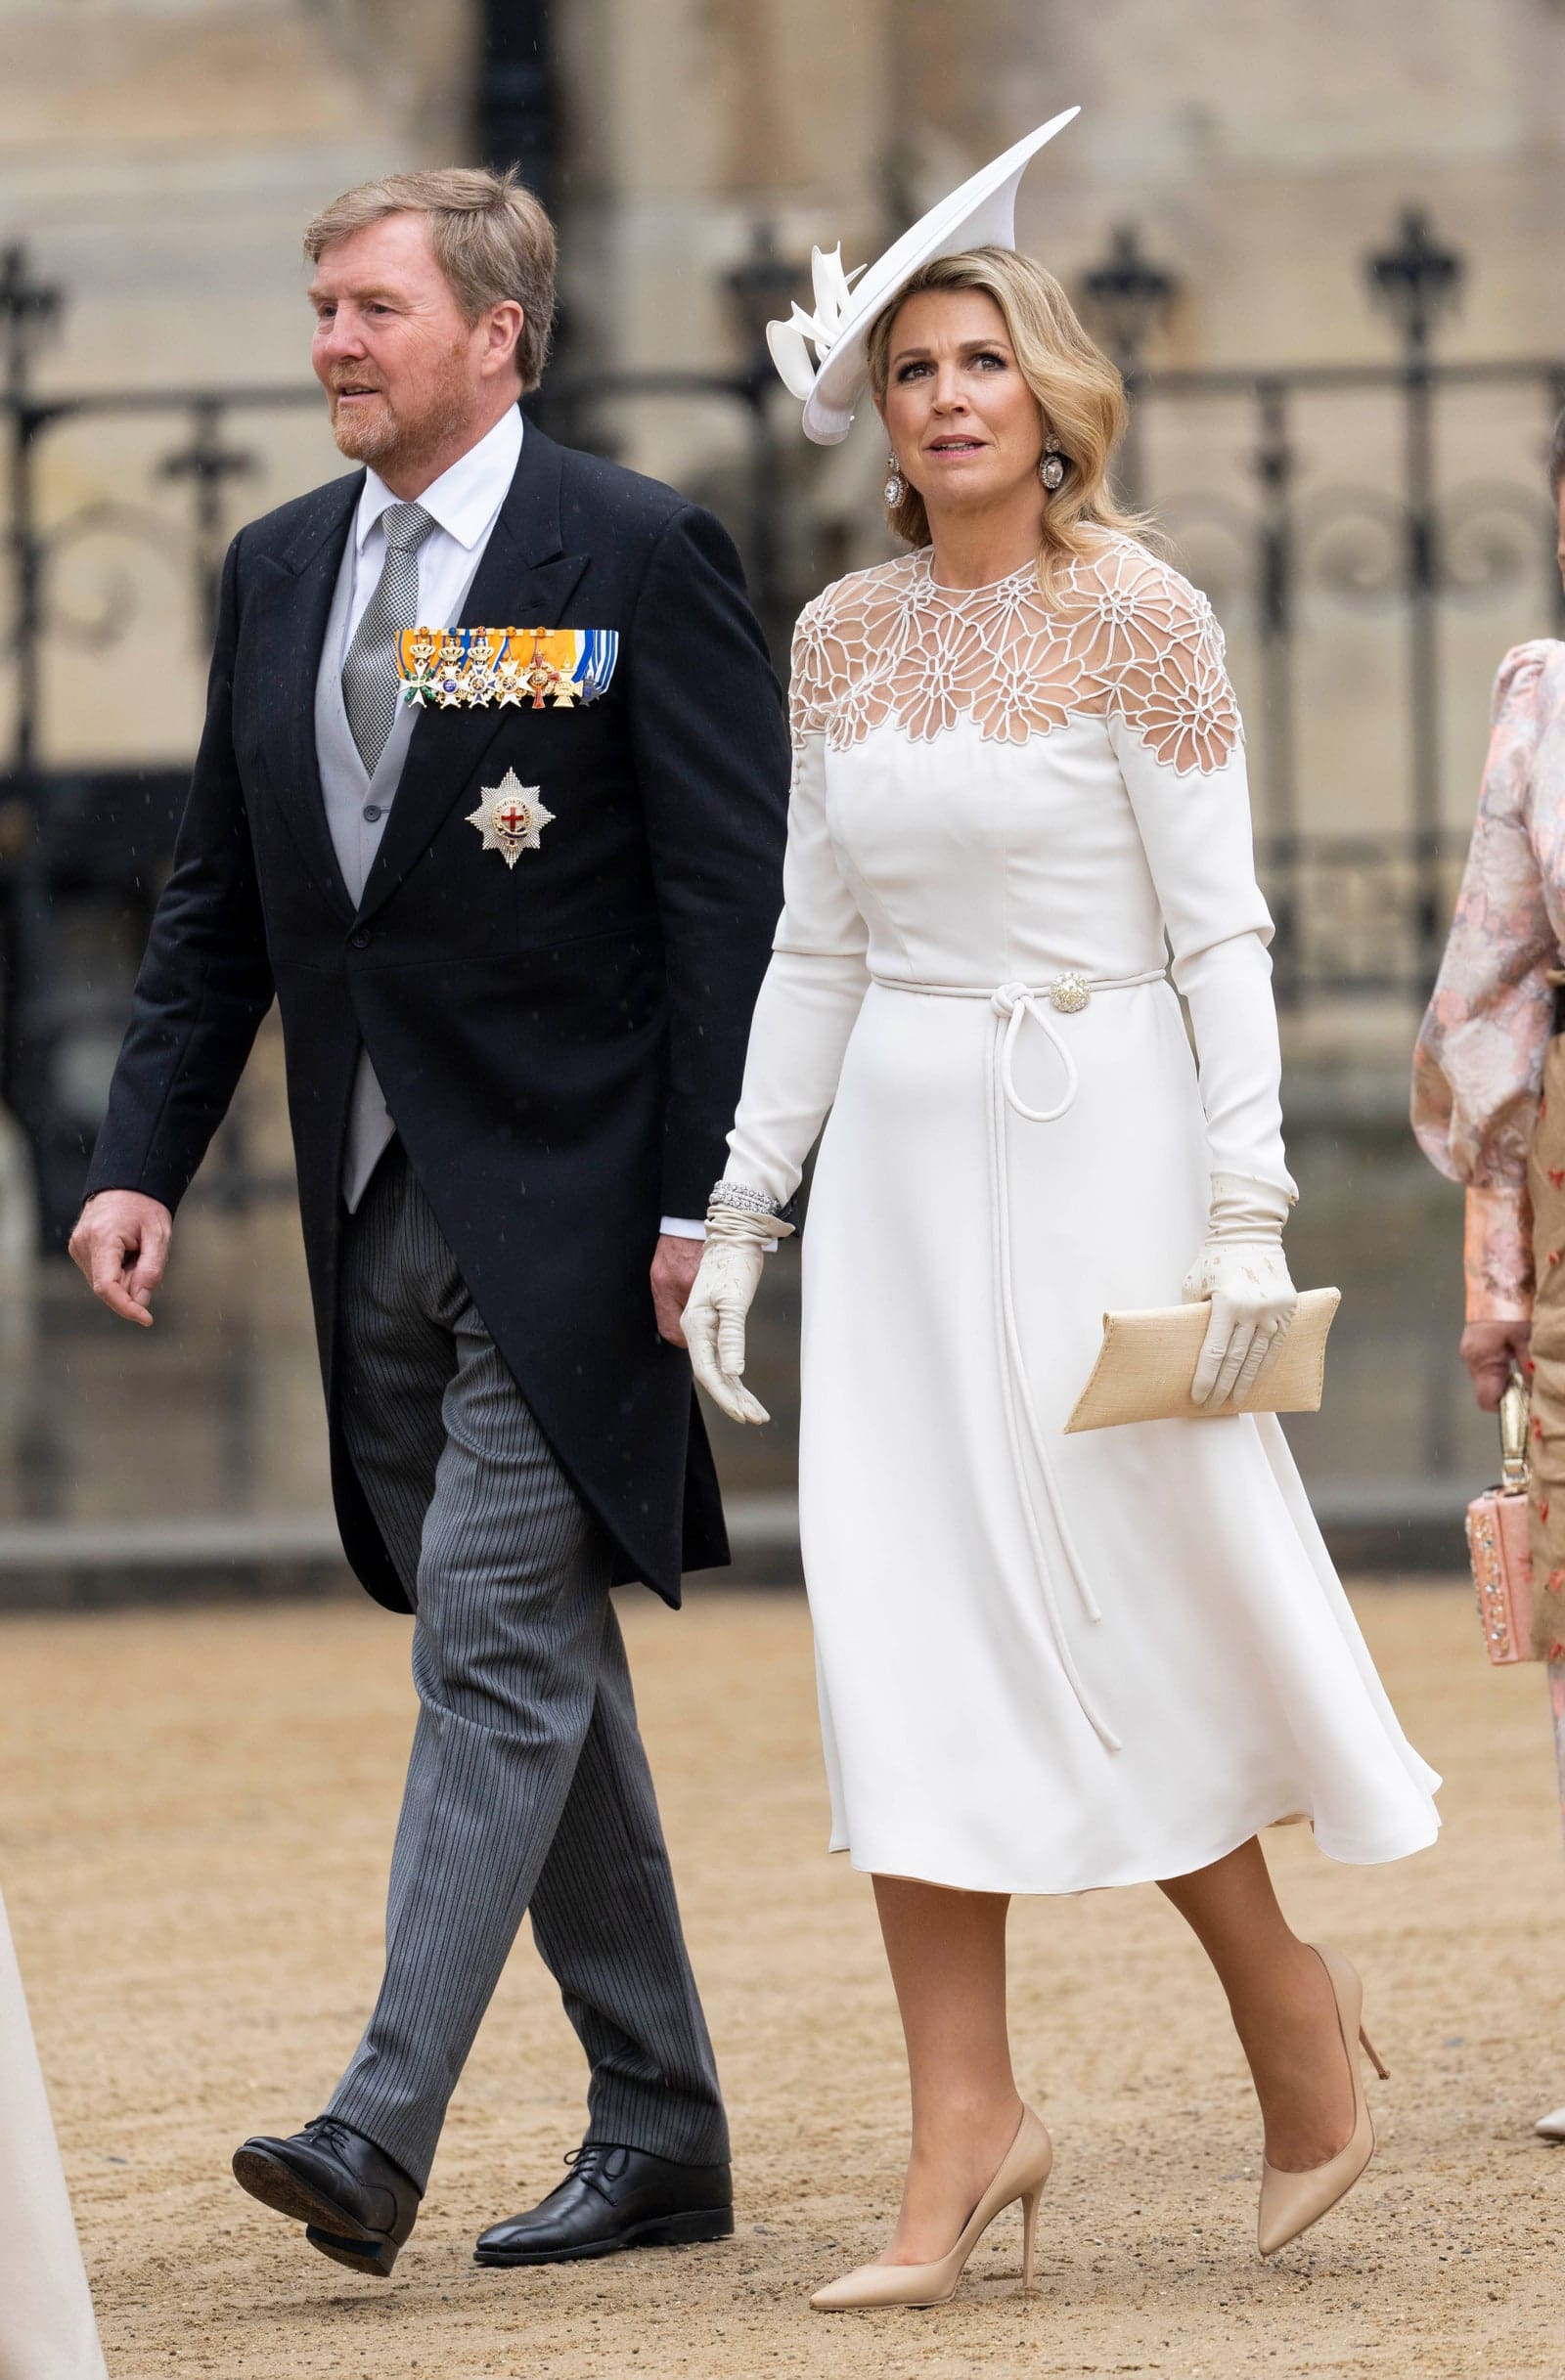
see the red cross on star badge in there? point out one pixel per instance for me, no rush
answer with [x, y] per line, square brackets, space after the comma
[510, 818]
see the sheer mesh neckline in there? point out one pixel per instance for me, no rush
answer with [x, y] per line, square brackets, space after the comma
[922, 558]
[1124, 637]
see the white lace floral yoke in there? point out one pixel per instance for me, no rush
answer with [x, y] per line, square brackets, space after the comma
[891, 646]
[1045, 1662]
[992, 788]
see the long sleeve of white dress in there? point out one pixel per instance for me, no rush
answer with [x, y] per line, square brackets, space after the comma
[814, 984]
[1175, 727]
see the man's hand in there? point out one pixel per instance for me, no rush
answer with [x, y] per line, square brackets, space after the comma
[120, 1244]
[1490, 1350]
[673, 1270]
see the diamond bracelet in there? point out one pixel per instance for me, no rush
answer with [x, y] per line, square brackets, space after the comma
[739, 1195]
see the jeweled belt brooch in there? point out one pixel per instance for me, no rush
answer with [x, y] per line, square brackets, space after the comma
[495, 668]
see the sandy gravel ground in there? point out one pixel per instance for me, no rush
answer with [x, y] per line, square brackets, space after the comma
[195, 1814]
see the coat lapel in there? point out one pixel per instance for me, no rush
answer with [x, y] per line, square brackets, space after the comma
[294, 599]
[524, 580]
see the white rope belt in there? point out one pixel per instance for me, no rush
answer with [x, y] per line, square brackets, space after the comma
[1012, 1005]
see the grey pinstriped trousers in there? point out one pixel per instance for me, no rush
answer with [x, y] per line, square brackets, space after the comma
[528, 1788]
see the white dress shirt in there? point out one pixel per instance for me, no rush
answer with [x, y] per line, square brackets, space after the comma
[464, 503]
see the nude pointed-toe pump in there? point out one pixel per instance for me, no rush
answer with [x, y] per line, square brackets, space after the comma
[1291, 2202]
[1023, 2171]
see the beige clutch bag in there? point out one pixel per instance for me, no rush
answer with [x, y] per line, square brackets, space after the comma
[1148, 1360]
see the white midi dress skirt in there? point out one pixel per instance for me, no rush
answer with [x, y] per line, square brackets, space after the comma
[1110, 1665]
[1047, 1662]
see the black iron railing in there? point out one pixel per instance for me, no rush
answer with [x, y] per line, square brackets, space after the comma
[1286, 539]
[1381, 511]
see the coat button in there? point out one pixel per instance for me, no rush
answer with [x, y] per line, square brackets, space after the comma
[372, 811]
[361, 939]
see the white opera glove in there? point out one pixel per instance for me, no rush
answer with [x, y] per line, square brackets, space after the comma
[726, 1281]
[1242, 1269]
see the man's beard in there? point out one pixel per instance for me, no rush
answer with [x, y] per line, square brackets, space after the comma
[390, 440]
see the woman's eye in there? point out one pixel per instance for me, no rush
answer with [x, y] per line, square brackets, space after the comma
[911, 372]
[989, 357]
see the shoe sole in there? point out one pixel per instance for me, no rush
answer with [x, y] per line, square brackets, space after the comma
[373, 2257]
[665, 2231]
[327, 2225]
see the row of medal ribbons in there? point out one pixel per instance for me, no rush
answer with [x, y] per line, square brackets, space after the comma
[524, 667]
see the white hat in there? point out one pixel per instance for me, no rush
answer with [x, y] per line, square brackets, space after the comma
[982, 213]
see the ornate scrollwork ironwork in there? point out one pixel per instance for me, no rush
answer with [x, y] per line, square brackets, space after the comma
[119, 600]
[1214, 539]
[1352, 543]
[1493, 537]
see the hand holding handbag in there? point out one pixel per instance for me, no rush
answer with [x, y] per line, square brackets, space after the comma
[1498, 1540]
[1147, 1365]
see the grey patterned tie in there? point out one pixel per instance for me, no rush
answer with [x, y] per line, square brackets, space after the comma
[370, 673]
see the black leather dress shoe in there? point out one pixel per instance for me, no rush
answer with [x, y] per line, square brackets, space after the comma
[356, 2206]
[615, 2198]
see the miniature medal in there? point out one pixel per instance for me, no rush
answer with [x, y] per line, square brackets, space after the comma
[417, 648]
[485, 646]
[540, 676]
[451, 670]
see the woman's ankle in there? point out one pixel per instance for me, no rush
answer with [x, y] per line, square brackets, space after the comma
[1296, 1990]
[958, 2124]
[1302, 2077]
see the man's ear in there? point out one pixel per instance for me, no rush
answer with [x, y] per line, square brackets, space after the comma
[504, 336]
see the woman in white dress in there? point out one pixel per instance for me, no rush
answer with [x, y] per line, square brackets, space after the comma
[47, 2330]
[1047, 1662]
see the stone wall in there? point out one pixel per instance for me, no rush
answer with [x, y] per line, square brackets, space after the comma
[1261, 150]
[161, 159]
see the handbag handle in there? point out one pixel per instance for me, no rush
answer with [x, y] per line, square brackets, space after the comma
[1514, 1410]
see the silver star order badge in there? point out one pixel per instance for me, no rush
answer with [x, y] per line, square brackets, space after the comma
[510, 818]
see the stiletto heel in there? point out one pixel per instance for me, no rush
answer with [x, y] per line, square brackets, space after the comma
[1291, 2202]
[1029, 2225]
[1023, 2171]
[1375, 2056]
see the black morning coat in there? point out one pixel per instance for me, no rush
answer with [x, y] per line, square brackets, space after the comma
[561, 1043]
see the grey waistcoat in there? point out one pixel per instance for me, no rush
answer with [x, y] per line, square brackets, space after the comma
[349, 792]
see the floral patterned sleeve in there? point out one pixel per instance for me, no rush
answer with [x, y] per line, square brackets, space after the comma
[1479, 1060]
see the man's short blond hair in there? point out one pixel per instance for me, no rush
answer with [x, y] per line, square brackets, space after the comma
[491, 239]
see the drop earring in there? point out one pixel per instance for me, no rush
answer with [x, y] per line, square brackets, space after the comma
[896, 487]
[1052, 469]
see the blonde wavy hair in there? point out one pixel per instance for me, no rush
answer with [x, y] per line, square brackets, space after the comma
[1080, 394]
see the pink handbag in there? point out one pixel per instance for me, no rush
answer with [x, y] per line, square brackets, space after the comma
[1498, 1541]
